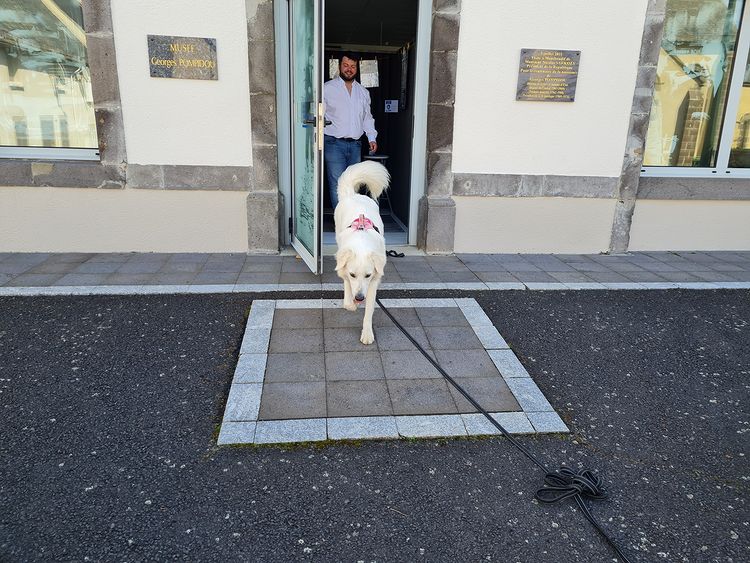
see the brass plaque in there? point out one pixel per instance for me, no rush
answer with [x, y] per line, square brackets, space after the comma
[546, 75]
[182, 57]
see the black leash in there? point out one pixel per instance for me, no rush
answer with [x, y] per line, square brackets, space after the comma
[559, 485]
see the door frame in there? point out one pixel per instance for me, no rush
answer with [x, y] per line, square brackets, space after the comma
[419, 130]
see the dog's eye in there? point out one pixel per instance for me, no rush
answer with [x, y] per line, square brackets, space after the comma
[352, 274]
[368, 275]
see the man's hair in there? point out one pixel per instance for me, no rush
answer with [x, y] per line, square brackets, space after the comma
[349, 55]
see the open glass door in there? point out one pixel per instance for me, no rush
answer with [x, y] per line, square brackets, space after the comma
[305, 32]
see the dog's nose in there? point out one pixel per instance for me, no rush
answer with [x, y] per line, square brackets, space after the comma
[359, 297]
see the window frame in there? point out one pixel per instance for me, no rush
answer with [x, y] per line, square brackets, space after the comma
[9, 152]
[722, 169]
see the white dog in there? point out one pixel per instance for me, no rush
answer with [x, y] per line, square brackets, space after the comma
[360, 258]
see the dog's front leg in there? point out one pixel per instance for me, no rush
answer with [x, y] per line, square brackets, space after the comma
[367, 336]
[349, 303]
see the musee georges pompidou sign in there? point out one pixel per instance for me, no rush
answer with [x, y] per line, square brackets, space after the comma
[182, 57]
[546, 75]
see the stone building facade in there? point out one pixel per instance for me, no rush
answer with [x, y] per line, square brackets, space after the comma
[200, 166]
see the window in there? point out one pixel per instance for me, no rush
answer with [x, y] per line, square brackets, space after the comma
[700, 117]
[46, 105]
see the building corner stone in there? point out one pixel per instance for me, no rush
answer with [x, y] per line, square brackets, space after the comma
[437, 210]
[627, 189]
[264, 202]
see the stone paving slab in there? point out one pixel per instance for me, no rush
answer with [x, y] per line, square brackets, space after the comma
[407, 364]
[251, 368]
[467, 363]
[358, 398]
[285, 431]
[375, 393]
[243, 402]
[547, 422]
[236, 433]
[490, 392]
[430, 426]
[293, 399]
[297, 366]
[296, 340]
[354, 366]
[368, 428]
[421, 396]
[513, 422]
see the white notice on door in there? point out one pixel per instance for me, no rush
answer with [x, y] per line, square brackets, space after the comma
[368, 73]
[391, 106]
[333, 68]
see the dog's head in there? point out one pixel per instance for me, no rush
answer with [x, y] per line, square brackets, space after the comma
[359, 269]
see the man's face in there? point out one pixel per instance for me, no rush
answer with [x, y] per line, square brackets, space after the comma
[348, 69]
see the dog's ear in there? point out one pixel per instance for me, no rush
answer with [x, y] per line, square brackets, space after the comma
[342, 257]
[378, 261]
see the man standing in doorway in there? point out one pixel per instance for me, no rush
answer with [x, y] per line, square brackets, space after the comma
[347, 107]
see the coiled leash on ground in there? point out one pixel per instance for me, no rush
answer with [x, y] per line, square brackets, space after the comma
[559, 485]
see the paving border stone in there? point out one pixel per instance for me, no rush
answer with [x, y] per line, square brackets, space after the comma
[514, 422]
[547, 422]
[243, 403]
[431, 426]
[371, 427]
[291, 430]
[507, 364]
[236, 433]
[250, 368]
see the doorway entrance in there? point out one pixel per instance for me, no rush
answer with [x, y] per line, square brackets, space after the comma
[391, 37]
[383, 34]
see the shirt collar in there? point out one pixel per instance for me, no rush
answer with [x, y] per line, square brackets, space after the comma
[341, 81]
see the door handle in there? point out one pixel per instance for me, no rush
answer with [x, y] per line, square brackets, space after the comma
[313, 121]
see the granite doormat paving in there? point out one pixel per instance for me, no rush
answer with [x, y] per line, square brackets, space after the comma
[303, 375]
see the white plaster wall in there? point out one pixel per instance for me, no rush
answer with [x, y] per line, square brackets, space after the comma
[495, 134]
[533, 224]
[89, 220]
[173, 121]
[690, 225]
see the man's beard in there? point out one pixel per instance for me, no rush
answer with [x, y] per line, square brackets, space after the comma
[346, 78]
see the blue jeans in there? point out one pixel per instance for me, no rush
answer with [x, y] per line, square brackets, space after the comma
[339, 154]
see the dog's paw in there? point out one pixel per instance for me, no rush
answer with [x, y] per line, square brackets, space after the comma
[351, 306]
[367, 336]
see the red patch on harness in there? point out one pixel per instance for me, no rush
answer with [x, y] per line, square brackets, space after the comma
[361, 223]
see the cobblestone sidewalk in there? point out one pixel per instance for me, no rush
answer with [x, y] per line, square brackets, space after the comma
[34, 273]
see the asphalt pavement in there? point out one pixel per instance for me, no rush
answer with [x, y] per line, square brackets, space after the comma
[110, 405]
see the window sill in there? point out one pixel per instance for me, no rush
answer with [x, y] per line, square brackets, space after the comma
[674, 172]
[49, 153]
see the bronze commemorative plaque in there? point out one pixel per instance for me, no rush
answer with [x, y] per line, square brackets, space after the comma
[547, 75]
[170, 56]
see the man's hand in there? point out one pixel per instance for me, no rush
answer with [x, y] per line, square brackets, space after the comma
[373, 147]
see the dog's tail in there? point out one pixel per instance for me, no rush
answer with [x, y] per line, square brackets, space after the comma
[372, 174]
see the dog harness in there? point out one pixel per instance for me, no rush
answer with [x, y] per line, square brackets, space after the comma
[362, 223]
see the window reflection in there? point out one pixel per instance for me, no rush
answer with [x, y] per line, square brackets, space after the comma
[692, 81]
[45, 83]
